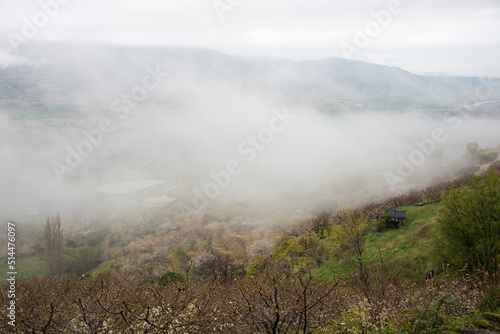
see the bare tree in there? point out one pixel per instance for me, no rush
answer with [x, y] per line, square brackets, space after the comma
[53, 246]
[216, 266]
[261, 247]
[321, 222]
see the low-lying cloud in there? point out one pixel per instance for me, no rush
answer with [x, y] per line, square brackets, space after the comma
[215, 139]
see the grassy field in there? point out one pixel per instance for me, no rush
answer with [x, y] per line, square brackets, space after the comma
[26, 266]
[412, 241]
[106, 265]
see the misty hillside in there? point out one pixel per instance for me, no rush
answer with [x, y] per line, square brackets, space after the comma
[345, 270]
[295, 133]
[240, 167]
[65, 81]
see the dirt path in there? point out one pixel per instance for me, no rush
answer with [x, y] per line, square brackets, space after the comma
[485, 167]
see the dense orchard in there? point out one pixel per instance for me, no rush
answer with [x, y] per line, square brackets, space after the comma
[274, 302]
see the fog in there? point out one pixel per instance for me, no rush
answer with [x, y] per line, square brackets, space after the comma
[96, 129]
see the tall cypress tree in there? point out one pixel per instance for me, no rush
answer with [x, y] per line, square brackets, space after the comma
[53, 246]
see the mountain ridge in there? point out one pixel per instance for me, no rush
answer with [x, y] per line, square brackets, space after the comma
[331, 85]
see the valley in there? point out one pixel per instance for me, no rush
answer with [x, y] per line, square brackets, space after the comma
[243, 174]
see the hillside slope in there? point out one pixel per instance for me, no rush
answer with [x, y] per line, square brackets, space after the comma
[326, 253]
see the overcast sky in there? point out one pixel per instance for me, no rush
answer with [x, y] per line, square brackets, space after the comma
[452, 37]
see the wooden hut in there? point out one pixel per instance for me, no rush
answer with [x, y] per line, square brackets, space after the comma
[396, 218]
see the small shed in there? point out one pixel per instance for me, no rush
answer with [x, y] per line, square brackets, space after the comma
[396, 218]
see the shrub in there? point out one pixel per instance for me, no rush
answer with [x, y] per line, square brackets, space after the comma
[382, 222]
[171, 278]
[491, 302]
[469, 224]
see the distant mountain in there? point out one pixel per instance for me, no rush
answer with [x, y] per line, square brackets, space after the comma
[69, 81]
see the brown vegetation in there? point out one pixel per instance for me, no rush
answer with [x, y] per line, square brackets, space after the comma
[217, 297]
[276, 302]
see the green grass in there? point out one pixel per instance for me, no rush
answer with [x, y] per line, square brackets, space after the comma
[34, 265]
[106, 265]
[326, 269]
[413, 242]
[26, 266]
